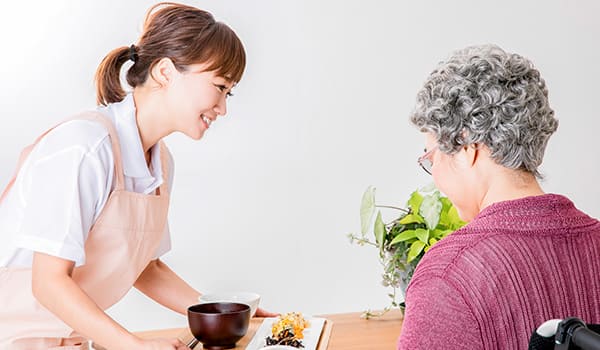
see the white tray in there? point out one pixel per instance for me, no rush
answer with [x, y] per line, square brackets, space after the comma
[311, 334]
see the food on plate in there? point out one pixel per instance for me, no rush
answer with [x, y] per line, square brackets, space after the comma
[288, 329]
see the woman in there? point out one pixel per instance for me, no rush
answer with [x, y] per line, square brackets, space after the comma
[85, 217]
[525, 256]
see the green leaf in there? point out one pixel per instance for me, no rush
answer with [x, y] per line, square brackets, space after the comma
[444, 219]
[454, 219]
[415, 249]
[446, 203]
[367, 208]
[404, 236]
[411, 218]
[432, 241]
[446, 206]
[439, 234]
[379, 230]
[422, 234]
[430, 210]
[414, 202]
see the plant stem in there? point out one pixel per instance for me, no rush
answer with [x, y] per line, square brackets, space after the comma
[371, 314]
[362, 240]
[369, 242]
[391, 207]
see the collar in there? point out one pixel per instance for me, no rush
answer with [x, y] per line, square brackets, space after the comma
[134, 161]
[547, 212]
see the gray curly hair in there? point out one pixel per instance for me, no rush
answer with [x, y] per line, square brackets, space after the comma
[484, 95]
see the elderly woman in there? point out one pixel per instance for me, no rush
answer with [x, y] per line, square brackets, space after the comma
[525, 256]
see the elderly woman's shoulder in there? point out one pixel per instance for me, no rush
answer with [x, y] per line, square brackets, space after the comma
[509, 236]
[445, 252]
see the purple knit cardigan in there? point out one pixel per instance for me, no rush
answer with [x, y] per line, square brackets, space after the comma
[491, 283]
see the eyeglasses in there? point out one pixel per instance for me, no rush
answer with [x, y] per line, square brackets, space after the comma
[424, 160]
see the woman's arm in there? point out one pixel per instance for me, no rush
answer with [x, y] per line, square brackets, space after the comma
[54, 288]
[163, 285]
[178, 295]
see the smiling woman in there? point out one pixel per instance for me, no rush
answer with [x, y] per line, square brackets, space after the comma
[111, 173]
[195, 57]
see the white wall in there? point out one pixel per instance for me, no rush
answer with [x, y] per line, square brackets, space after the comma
[265, 200]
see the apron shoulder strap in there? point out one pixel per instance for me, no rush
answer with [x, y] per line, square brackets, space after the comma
[114, 140]
[88, 115]
[164, 162]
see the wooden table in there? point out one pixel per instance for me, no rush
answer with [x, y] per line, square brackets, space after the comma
[348, 332]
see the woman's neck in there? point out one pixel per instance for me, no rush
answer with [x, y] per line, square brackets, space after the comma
[149, 117]
[509, 185]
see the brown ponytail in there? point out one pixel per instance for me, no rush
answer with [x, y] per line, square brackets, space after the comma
[108, 81]
[184, 34]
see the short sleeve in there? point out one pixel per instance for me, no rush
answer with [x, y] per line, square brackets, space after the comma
[437, 317]
[64, 184]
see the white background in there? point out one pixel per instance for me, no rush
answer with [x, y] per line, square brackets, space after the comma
[264, 202]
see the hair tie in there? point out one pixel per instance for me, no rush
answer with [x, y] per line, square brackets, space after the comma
[133, 53]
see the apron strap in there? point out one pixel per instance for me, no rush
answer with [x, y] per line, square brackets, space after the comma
[114, 138]
[164, 163]
[89, 115]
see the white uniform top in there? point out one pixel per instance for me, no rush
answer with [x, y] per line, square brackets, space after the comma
[66, 181]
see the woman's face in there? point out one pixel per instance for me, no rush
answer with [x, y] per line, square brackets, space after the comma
[453, 176]
[196, 98]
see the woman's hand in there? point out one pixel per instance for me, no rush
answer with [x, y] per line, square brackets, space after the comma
[262, 313]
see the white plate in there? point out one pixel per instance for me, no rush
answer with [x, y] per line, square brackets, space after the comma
[311, 334]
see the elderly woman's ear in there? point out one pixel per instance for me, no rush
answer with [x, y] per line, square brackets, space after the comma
[468, 156]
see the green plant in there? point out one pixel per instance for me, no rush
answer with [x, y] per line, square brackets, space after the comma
[427, 218]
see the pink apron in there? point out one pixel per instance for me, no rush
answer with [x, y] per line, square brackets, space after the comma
[119, 246]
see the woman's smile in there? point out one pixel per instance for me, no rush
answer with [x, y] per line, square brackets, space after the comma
[206, 120]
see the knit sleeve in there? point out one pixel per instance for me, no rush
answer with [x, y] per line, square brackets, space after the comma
[437, 317]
